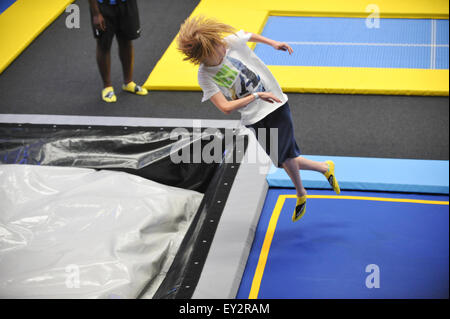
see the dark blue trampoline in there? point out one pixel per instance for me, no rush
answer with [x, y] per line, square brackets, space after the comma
[327, 252]
[349, 42]
[5, 4]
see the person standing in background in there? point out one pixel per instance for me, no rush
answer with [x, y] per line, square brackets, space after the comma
[118, 18]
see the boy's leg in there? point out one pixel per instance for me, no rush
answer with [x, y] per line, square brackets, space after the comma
[104, 40]
[306, 164]
[104, 66]
[129, 30]
[292, 169]
[126, 54]
[104, 63]
[326, 168]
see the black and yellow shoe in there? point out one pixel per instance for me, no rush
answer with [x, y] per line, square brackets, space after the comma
[108, 95]
[134, 88]
[331, 177]
[300, 208]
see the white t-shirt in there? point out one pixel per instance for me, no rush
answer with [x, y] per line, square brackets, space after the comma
[241, 73]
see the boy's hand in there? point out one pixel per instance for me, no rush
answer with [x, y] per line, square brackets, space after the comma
[99, 22]
[283, 46]
[268, 97]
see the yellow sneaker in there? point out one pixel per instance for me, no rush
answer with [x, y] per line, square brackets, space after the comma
[134, 88]
[108, 95]
[300, 208]
[331, 177]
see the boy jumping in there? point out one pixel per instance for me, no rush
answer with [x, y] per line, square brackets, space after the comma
[234, 78]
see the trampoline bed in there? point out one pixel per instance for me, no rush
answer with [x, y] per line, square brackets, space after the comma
[358, 42]
[331, 251]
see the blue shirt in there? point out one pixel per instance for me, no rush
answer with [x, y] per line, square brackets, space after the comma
[111, 1]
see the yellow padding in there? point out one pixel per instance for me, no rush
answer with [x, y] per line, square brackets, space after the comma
[172, 73]
[22, 22]
[302, 79]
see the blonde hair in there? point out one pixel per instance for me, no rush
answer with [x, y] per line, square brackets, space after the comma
[199, 36]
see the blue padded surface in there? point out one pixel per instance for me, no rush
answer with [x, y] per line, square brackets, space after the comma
[442, 32]
[5, 4]
[324, 255]
[374, 174]
[406, 42]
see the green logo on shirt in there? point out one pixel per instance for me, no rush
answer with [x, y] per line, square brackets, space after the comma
[225, 77]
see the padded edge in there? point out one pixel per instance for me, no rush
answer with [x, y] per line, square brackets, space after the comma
[21, 23]
[252, 17]
[374, 174]
[227, 258]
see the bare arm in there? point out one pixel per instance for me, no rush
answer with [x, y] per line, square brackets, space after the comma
[94, 6]
[275, 44]
[99, 21]
[220, 101]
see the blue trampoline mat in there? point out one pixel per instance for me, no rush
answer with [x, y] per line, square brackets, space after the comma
[5, 4]
[325, 254]
[348, 42]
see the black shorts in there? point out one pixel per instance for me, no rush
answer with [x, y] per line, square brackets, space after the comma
[121, 19]
[282, 145]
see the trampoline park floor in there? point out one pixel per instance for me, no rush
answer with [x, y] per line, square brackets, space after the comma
[326, 253]
[346, 244]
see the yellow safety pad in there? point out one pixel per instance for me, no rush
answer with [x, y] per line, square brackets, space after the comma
[362, 80]
[172, 73]
[22, 22]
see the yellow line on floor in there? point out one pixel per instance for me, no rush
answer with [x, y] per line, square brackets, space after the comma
[259, 272]
[378, 199]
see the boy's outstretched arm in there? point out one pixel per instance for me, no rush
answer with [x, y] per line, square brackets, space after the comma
[275, 44]
[221, 102]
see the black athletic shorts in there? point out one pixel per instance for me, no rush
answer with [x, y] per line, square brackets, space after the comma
[121, 19]
[282, 146]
